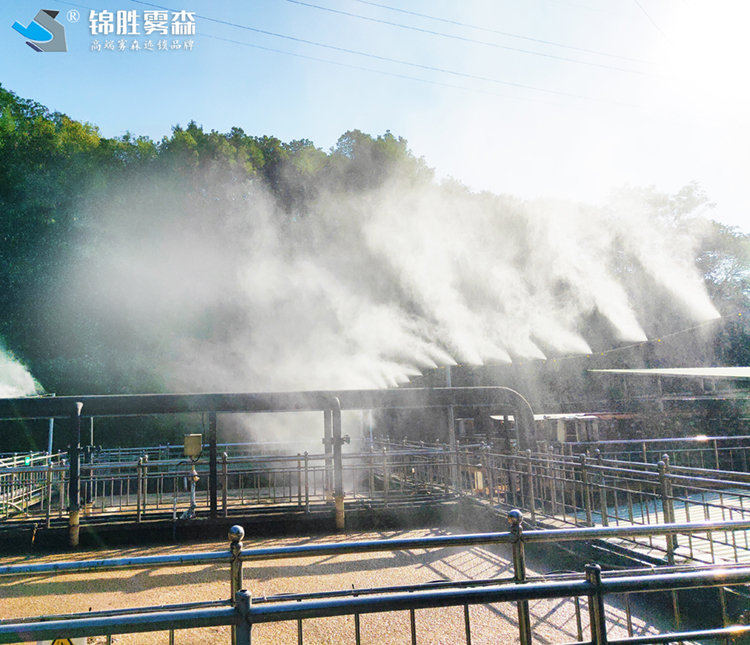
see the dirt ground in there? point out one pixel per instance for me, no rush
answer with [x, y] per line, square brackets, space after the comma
[553, 621]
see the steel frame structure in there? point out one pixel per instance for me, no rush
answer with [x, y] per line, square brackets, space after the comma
[331, 403]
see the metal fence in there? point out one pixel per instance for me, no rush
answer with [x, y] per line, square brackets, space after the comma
[554, 489]
[729, 452]
[24, 481]
[242, 611]
[143, 488]
[562, 490]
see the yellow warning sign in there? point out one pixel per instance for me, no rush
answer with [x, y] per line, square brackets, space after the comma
[65, 641]
[62, 641]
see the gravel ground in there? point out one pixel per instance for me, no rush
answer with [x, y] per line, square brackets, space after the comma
[553, 621]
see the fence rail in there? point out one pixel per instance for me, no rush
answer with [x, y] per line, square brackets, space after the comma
[23, 481]
[556, 489]
[582, 490]
[144, 488]
[241, 611]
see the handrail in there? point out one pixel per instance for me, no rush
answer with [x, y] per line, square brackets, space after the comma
[83, 626]
[241, 613]
[375, 546]
[80, 566]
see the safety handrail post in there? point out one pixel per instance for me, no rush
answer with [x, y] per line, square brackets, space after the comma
[338, 465]
[139, 492]
[236, 534]
[603, 507]
[242, 631]
[596, 605]
[48, 495]
[307, 482]
[386, 477]
[586, 492]
[213, 476]
[515, 517]
[529, 486]
[328, 448]
[299, 479]
[225, 483]
[667, 508]
[74, 486]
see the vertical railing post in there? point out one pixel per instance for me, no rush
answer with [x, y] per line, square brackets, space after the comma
[338, 464]
[145, 483]
[213, 474]
[357, 630]
[61, 491]
[467, 625]
[510, 462]
[299, 480]
[602, 489]
[724, 617]
[50, 436]
[371, 473]
[307, 482]
[386, 477]
[236, 535]
[74, 482]
[328, 448]
[458, 484]
[530, 486]
[225, 483]
[139, 503]
[455, 467]
[48, 494]
[596, 605]
[515, 517]
[490, 477]
[552, 478]
[670, 499]
[242, 631]
[666, 504]
[586, 492]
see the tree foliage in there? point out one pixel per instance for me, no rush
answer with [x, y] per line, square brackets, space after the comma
[60, 181]
[65, 191]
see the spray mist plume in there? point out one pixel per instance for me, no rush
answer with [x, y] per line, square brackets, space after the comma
[226, 289]
[15, 378]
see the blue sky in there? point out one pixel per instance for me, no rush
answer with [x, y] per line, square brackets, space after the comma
[566, 98]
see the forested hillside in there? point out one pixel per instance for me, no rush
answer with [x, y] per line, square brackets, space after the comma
[228, 261]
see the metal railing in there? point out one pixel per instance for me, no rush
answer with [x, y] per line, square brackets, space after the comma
[144, 488]
[555, 489]
[579, 490]
[15, 459]
[24, 480]
[730, 452]
[166, 452]
[242, 611]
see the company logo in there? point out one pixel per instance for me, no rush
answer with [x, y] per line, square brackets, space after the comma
[44, 33]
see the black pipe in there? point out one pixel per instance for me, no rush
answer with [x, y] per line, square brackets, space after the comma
[140, 404]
